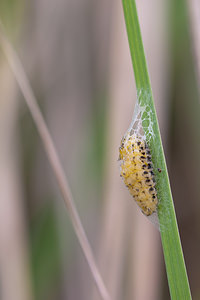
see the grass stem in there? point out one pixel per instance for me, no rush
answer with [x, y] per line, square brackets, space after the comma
[175, 265]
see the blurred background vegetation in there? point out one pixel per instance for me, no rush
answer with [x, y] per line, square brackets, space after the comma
[77, 59]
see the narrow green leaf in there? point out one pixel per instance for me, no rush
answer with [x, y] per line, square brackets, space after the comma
[175, 266]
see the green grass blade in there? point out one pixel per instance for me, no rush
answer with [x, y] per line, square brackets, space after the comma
[175, 266]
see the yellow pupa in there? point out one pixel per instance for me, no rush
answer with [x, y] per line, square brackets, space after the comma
[137, 172]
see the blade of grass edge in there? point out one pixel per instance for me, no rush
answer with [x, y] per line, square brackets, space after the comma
[173, 255]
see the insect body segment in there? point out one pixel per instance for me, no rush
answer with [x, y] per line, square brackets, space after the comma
[137, 172]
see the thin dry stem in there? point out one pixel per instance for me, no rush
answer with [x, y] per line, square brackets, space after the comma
[55, 163]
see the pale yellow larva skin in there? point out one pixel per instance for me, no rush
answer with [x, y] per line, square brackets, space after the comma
[137, 172]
